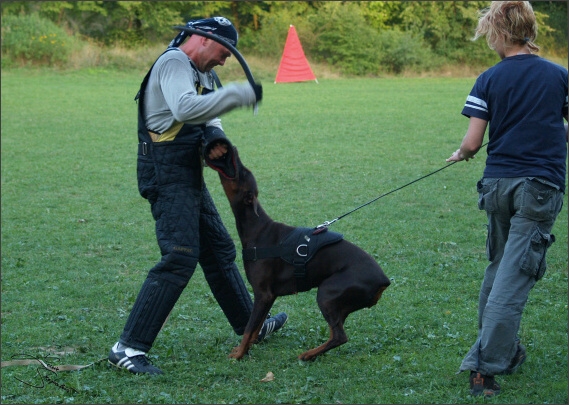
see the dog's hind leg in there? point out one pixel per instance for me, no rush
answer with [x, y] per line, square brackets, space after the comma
[337, 337]
[339, 296]
[335, 311]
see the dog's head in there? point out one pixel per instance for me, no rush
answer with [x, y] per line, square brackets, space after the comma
[241, 190]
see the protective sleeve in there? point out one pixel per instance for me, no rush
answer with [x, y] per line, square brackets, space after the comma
[225, 165]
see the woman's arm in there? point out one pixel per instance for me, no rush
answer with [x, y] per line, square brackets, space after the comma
[472, 141]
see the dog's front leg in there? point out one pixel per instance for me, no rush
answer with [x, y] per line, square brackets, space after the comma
[261, 308]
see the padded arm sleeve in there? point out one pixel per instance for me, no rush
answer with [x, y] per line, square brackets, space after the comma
[225, 165]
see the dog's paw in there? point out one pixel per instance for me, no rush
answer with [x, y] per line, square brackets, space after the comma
[237, 353]
[308, 356]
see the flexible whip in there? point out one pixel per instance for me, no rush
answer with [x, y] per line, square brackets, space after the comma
[231, 49]
[327, 223]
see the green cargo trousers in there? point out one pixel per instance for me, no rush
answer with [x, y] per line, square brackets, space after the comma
[521, 213]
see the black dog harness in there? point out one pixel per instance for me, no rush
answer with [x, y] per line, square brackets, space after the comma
[297, 248]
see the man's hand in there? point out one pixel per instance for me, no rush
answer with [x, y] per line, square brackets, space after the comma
[217, 151]
[258, 88]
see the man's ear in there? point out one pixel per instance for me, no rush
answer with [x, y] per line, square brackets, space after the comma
[206, 41]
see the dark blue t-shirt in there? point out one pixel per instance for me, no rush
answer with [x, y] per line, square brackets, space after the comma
[524, 98]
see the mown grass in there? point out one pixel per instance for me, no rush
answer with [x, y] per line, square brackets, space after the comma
[77, 241]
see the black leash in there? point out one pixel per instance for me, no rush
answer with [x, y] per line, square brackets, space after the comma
[328, 223]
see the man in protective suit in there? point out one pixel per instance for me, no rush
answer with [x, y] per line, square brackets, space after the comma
[178, 127]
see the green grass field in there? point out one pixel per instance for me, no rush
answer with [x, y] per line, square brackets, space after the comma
[78, 240]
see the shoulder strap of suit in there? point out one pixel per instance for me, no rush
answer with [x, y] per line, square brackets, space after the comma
[145, 80]
[216, 79]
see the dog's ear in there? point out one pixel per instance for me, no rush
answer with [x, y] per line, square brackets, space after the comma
[255, 205]
[251, 199]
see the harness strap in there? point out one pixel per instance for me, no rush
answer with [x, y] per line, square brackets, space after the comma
[253, 254]
[144, 148]
[297, 248]
[216, 79]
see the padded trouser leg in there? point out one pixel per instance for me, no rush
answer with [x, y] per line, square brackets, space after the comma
[232, 296]
[217, 259]
[155, 300]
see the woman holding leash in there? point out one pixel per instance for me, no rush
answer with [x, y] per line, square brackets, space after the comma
[523, 99]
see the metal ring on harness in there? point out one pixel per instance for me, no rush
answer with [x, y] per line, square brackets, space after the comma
[298, 251]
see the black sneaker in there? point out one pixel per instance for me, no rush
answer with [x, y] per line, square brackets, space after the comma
[517, 361]
[132, 360]
[271, 325]
[483, 384]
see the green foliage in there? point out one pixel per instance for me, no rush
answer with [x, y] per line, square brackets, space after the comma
[269, 39]
[403, 51]
[383, 14]
[35, 40]
[447, 28]
[552, 26]
[344, 39]
[349, 36]
[133, 24]
[78, 240]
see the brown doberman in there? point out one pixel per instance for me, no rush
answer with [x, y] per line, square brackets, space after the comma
[281, 260]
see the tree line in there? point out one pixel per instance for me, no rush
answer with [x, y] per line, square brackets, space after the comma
[355, 36]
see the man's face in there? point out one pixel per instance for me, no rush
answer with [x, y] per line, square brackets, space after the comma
[214, 54]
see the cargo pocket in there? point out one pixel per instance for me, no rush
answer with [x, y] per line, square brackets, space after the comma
[487, 194]
[533, 261]
[540, 200]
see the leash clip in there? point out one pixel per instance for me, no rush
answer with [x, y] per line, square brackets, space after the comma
[324, 226]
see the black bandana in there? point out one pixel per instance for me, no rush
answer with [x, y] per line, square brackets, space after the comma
[219, 26]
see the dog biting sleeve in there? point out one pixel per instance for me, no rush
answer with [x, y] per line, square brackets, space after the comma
[226, 165]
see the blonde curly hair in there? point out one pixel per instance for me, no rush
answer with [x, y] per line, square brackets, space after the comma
[510, 22]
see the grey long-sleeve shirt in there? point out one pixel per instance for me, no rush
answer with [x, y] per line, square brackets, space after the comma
[171, 96]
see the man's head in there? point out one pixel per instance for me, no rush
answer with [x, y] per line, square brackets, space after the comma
[205, 52]
[219, 26]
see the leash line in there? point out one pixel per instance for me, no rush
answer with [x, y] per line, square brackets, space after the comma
[328, 223]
